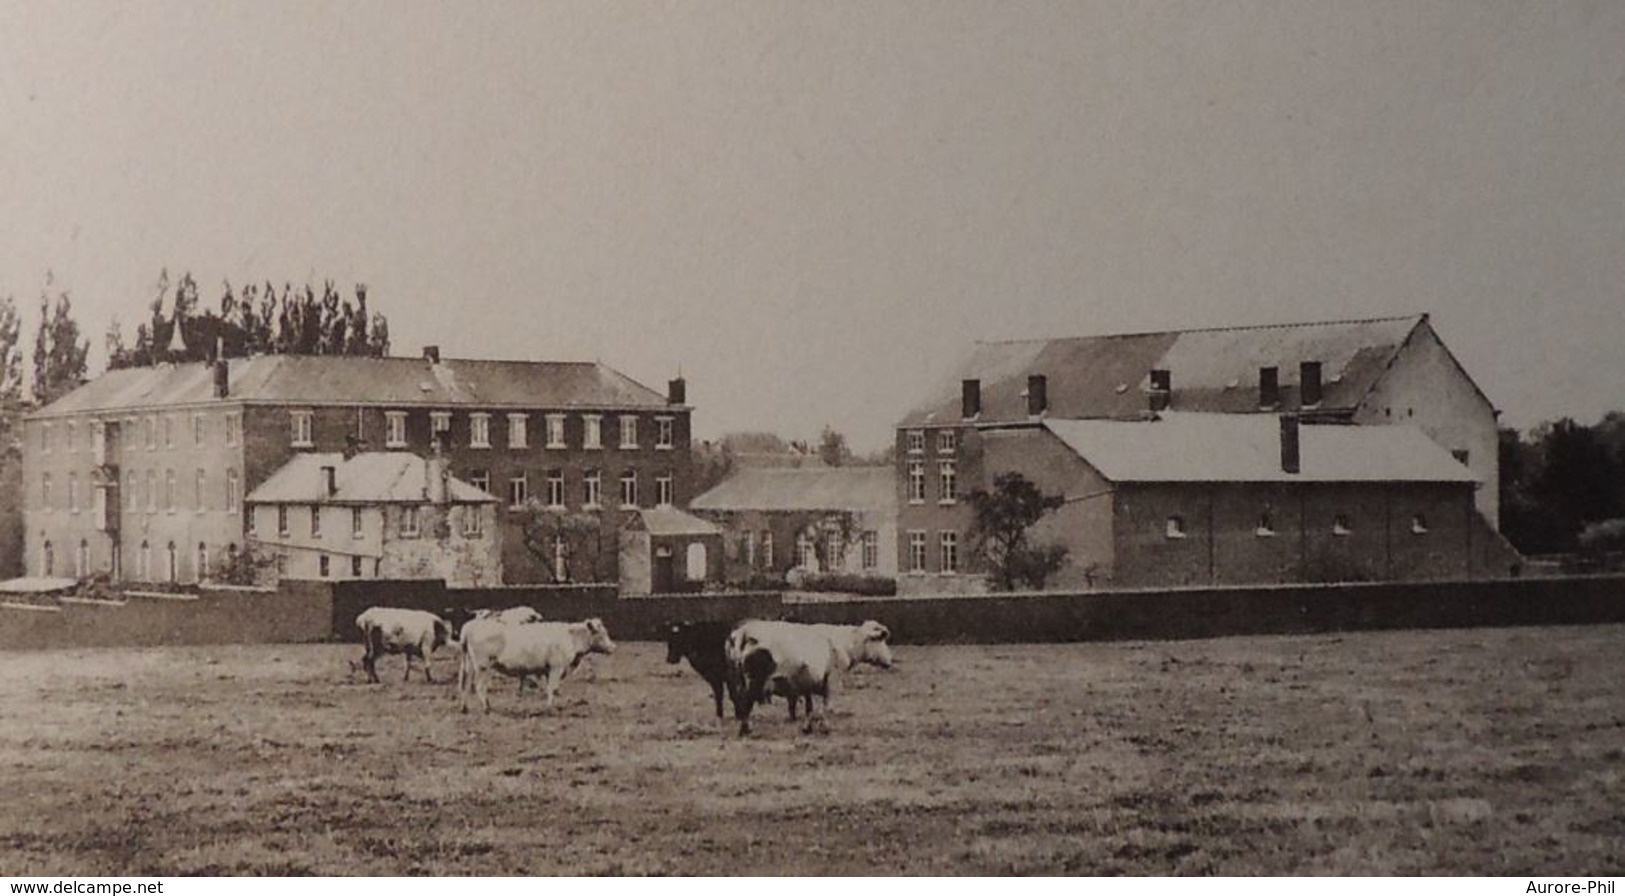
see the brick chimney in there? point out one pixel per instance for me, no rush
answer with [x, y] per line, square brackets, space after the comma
[677, 391]
[970, 398]
[1162, 390]
[222, 378]
[431, 353]
[435, 474]
[1037, 395]
[1309, 386]
[1269, 387]
[1290, 451]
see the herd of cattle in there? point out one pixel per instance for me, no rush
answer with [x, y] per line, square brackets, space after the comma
[749, 662]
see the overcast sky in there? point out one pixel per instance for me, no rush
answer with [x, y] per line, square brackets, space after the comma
[814, 209]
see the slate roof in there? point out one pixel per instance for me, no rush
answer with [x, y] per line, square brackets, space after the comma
[805, 488]
[372, 477]
[1213, 370]
[1247, 448]
[671, 521]
[315, 380]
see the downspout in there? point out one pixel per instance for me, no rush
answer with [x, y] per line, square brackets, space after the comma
[1211, 538]
[1388, 534]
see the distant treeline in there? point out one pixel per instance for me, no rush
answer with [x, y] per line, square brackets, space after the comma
[1563, 486]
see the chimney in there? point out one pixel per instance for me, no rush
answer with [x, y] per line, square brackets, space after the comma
[222, 379]
[1269, 387]
[435, 474]
[330, 486]
[1037, 395]
[1309, 390]
[970, 398]
[1162, 390]
[677, 391]
[1290, 454]
[431, 353]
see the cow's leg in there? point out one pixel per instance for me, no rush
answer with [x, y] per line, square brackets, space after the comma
[373, 640]
[716, 695]
[555, 675]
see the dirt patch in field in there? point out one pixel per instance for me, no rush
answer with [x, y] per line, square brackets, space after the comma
[1445, 752]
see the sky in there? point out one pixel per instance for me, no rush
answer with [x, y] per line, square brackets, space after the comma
[813, 210]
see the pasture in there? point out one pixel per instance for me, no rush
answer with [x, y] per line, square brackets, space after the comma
[1442, 752]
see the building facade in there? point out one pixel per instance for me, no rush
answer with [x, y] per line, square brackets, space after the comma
[141, 474]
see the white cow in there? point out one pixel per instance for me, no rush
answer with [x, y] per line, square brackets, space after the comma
[407, 632]
[800, 661]
[547, 649]
[488, 620]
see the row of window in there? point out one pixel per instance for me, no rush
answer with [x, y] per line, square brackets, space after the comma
[153, 496]
[143, 561]
[947, 551]
[591, 488]
[947, 441]
[479, 430]
[947, 479]
[1174, 528]
[757, 552]
[153, 432]
[409, 526]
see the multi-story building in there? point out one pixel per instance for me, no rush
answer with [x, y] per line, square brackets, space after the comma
[375, 515]
[813, 518]
[1368, 373]
[142, 472]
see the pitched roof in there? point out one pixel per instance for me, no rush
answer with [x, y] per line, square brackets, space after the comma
[330, 379]
[671, 521]
[372, 477]
[1212, 370]
[1247, 448]
[804, 488]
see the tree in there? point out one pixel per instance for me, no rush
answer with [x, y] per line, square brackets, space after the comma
[580, 539]
[11, 467]
[832, 447]
[999, 532]
[11, 353]
[60, 356]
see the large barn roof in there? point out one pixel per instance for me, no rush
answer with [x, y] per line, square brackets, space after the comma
[806, 488]
[1247, 448]
[372, 477]
[318, 379]
[1213, 370]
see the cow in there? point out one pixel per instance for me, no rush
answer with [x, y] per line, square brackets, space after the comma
[799, 662]
[547, 649]
[461, 616]
[705, 646]
[407, 632]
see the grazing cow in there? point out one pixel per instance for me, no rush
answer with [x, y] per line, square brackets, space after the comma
[548, 649]
[705, 646]
[798, 662]
[407, 632]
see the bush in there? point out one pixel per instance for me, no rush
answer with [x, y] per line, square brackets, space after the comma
[851, 583]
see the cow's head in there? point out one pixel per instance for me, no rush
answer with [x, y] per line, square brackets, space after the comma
[598, 637]
[443, 633]
[874, 645]
[457, 617]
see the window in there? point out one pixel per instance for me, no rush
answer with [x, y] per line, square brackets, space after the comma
[143, 563]
[950, 551]
[152, 491]
[629, 488]
[1175, 527]
[202, 561]
[169, 434]
[357, 529]
[73, 492]
[131, 499]
[98, 442]
[315, 522]
[479, 430]
[697, 562]
[282, 520]
[592, 435]
[81, 560]
[472, 522]
[591, 486]
[747, 548]
[518, 430]
[98, 504]
[1340, 525]
[945, 471]
[301, 428]
[871, 549]
[395, 429]
[200, 501]
[231, 491]
[664, 440]
[409, 521]
[916, 482]
[480, 479]
[1266, 526]
[806, 552]
[149, 428]
[629, 432]
[663, 496]
[440, 421]
[767, 549]
[169, 491]
[45, 438]
[355, 567]
[234, 428]
[518, 491]
[833, 549]
[555, 489]
[253, 516]
[916, 552]
[323, 565]
[1419, 525]
[199, 429]
[71, 433]
[555, 430]
[171, 564]
[947, 441]
[45, 491]
[916, 441]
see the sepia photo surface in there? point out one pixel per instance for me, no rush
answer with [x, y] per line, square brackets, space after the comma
[953, 438]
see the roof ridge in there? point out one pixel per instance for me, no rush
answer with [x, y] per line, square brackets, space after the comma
[1219, 329]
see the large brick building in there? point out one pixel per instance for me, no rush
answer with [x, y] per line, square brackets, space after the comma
[163, 456]
[1006, 409]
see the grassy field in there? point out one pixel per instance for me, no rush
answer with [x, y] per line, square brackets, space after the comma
[1446, 752]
